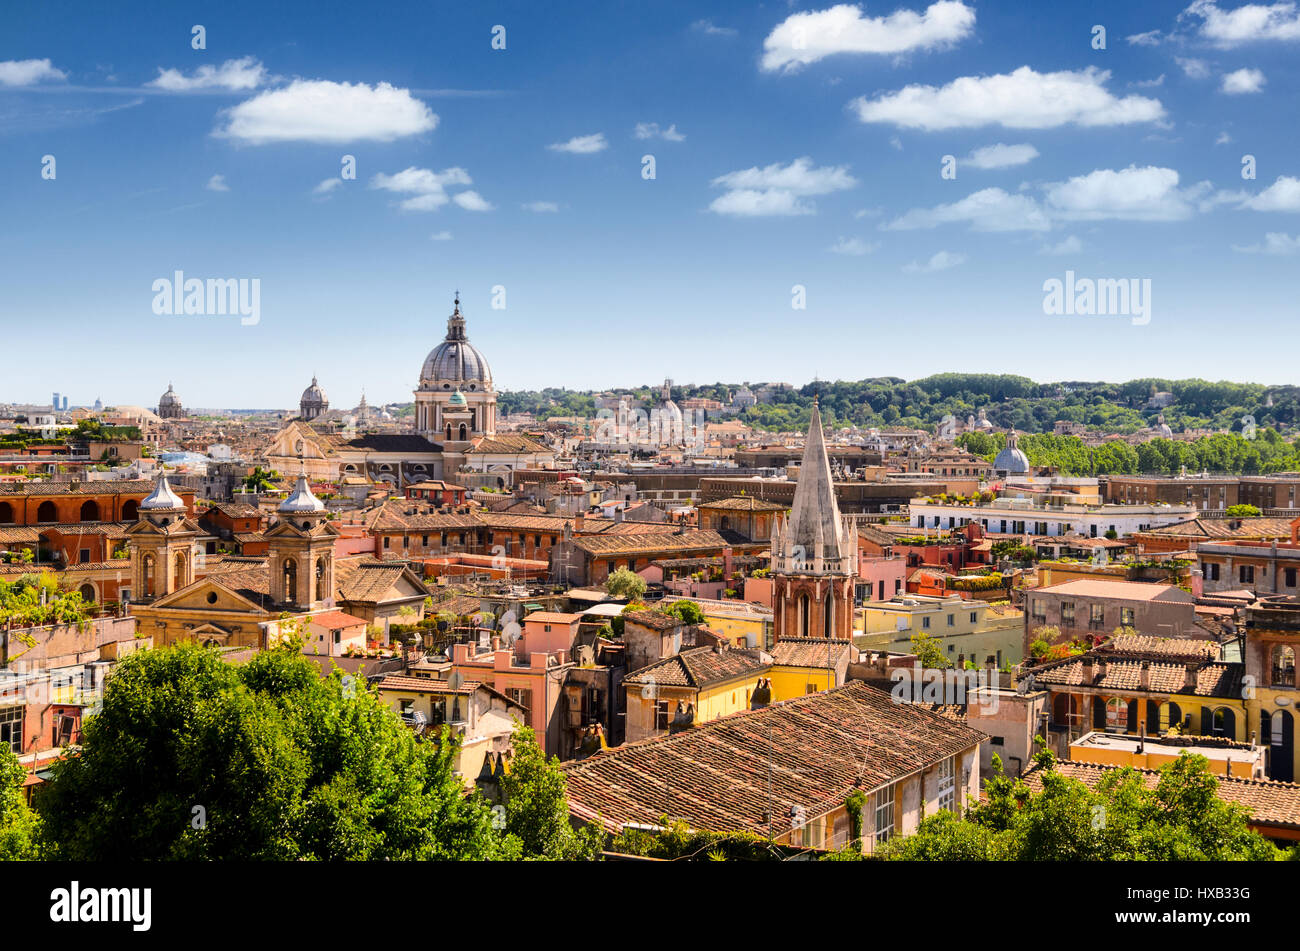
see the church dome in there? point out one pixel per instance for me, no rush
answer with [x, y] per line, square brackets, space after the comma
[457, 399]
[169, 398]
[314, 395]
[456, 360]
[313, 402]
[162, 498]
[301, 500]
[1011, 460]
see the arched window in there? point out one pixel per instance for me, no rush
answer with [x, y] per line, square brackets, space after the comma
[6, 513]
[148, 576]
[1283, 666]
[290, 580]
[130, 509]
[1066, 711]
[47, 512]
[321, 593]
[1169, 717]
[90, 511]
[449, 432]
[178, 576]
[1120, 715]
[87, 592]
[803, 607]
[462, 432]
[1221, 722]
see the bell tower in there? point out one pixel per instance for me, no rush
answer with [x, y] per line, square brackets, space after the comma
[814, 553]
[300, 550]
[162, 544]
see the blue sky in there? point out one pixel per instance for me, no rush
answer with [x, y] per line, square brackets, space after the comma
[794, 144]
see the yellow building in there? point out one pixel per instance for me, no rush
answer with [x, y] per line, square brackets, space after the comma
[971, 629]
[742, 623]
[703, 683]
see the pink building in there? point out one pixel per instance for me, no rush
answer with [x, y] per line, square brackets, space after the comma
[534, 680]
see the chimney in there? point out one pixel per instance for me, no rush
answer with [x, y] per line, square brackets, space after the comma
[1101, 668]
[578, 521]
[1087, 670]
[1144, 678]
[1189, 677]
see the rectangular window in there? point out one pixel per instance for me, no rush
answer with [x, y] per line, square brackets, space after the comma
[661, 714]
[925, 623]
[521, 696]
[386, 541]
[951, 619]
[1067, 612]
[1290, 577]
[1212, 571]
[947, 796]
[1097, 617]
[973, 616]
[11, 727]
[1247, 574]
[1126, 617]
[884, 803]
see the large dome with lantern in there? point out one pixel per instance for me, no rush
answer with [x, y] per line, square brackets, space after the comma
[456, 362]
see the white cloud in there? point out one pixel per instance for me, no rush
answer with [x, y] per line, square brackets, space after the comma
[939, 262]
[1149, 38]
[1275, 242]
[327, 186]
[805, 38]
[217, 183]
[1070, 245]
[1148, 83]
[1243, 81]
[540, 206]
[427, 188]
[581, 144]
[1193, 68]
[28, 72]
[855, 247]
[328, 112]
[236, 74]
[651, 130]
[1132, 194]
[1001, 156]
[1223, 139]
[1282, 195]
[748, 203]
[990, 209]
[868, 213]
[441, 236]
[1023, 99]
[709, 29]
[896, 142]
[472, 201]
[1246, 24]
[776, 189]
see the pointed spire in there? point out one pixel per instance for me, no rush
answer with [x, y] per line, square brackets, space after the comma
[815, 524]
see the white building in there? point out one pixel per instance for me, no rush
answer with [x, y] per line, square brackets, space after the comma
[1022, 516]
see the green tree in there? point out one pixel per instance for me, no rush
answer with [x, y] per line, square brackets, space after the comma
[688, 612]
[1242, 511]
[1182, 819]
[20, 828]
[261, 480]
[928, 651]
[536, 809]
[624, 583]
[194, 758]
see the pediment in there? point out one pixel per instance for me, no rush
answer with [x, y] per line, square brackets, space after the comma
[194, 597]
